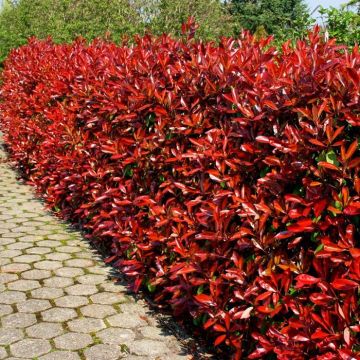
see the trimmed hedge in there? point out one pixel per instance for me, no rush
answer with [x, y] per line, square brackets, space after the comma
[222, 178]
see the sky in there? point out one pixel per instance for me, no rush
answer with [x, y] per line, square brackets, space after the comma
[324, 3]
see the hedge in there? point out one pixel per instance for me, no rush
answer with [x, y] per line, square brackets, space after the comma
[223, 178]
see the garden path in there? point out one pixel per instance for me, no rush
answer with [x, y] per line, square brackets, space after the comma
[57, 301]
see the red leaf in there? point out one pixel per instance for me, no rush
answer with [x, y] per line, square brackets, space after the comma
[344, 284]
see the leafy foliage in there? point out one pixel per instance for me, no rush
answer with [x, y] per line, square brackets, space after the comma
[285, 19]
[222, 178]
[342, 24]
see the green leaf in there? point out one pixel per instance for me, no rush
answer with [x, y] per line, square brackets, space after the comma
[319, 248]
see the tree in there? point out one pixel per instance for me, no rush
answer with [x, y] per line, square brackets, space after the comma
[212, 16]
[342, 24]
[64, 20]
[282, 18]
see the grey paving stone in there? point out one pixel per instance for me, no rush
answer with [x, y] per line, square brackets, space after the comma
[148, 347]
[57, 314]
[126, 320]
[116, 336]
[3, 353]
[58, 282]
[24, 285]
[12, 297]
[103, 352]
[61, 355]
[5, 310]
[46, 293]
[48, 264]
[81, 289]
[18, 320]
[73, 341]
[44, 330]
[92, 279]
[86, 325]
[108, 298]
[38, 250]
[98, 311]
[48, 243]
[19, 246]
[10, 253]
[8, 337]
[81, 263]
[68, 249]
[27, 258]
[33, 306]
[5, 278]
[69, 272]
[58, 256]
[15, 268]
[36, 274]
[30, 348]
[71, 301]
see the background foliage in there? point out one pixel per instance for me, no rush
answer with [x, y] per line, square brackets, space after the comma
[64, 20]
[224, 179]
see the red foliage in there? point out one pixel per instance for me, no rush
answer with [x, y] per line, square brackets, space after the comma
[224, 178]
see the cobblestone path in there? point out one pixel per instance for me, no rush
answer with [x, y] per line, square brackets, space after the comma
[56, 300]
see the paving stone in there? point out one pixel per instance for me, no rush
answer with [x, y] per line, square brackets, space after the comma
[5, 310]
[148, 347]
[155, 333]
[49, 243]
[69, 272]
[58, 236]
[38, 250]
[47, 293]
[134, 308]
[4, 261]
[101, 270]
[71, 301]
[98, 311]
[45, 330]
[15, 268]
[126, 320]
[30, 348]
[116, 336]
[73, 341]
[8, 337]
[82, 263]
[5, 278]
[81, 289]
[108, 298]
[24, 285]
[7, 241]
[10, 253]
[18, 320]
[92, 279]
[31, 238]
[36, 274]
[48, 264]
[58, 256]
[27, 258]
[19, 246]
[86, 325]
[33, 306]
[58, 282]
[57, 314]
[103, 352]
[68, 249]
[3, 353]
[61, 355]
[111, 287]
[12, 297]
[85, 255]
